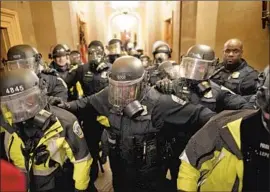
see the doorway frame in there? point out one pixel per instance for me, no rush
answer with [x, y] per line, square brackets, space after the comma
[10, 21]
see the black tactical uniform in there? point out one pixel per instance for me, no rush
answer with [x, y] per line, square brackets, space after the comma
[194, 86]
[246, 164]
[93, 78]
[25, 56]
[38, 139]
[161, 52]
[241, 80]
[61, 50]
[137, 114]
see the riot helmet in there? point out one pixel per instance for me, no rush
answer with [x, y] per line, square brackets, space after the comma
[134, 53]
[115, 49]
[161, 52]
[198, 63]
[263, 95]
[140, 51]
[75, 58]
[169, 69]
[21, 95]
[126, 84]
[24, 56]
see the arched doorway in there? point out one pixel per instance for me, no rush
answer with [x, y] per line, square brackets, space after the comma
[127, 27]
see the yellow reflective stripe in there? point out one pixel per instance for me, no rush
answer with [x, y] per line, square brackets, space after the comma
[81, 174]
[103, 121]
[2, 129]
[234, 128]
[81, 168]
[7, 114]
[79, 88]
[63, 82]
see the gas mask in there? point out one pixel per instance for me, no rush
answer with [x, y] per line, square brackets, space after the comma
[133, 109]
[161, 57]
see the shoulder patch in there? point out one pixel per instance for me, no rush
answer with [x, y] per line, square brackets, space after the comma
[235, 75]
[77, 130]
[178, 100]
[208, 95]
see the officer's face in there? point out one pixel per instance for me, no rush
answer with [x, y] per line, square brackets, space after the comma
[232, 53]
[61, 61]
[95, 53]
[144, 62]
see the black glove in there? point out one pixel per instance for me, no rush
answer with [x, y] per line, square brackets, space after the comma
[50, 71]
[103, 158]
[101, 67]
[54, 100]
[164, 86]
[64, 105]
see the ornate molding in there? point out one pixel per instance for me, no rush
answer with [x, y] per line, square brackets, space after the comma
[10, 21]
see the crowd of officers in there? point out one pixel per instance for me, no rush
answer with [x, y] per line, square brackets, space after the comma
[204, 122]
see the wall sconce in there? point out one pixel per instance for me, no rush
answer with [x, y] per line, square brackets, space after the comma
[265, 14]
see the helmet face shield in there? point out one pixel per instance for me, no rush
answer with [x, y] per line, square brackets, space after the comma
[114, 49]
[196, 69]
[29, 63]
[24, 105]
[121, 93]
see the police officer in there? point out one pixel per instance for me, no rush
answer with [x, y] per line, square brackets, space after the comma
[145, 61]
[235, 74]
[140, 51]
[195, 87]
[238, 143]
[115, 50]
[60, 60]
[93, 78]
[38, 139]
[193, 84]
[161, 52]
[26, 56]
[93, 75]
[137, 115]
[61, 63]
[75, 58]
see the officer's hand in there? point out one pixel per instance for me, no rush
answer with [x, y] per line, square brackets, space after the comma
[50, 71]
[164, 86]
[103, 158]
[102, 66]
[54, 100]
[64, 105]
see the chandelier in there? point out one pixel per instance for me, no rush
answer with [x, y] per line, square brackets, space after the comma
[124, 6]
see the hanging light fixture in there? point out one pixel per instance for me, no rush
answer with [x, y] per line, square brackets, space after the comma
[124, 6]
